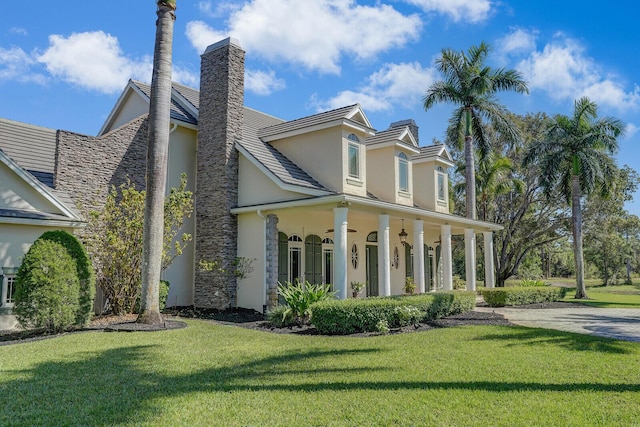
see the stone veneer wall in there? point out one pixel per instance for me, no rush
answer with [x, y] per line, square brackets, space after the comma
[272, 260]
[87, 166]
[219, 126]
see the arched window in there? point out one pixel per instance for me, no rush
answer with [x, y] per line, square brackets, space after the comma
[403, 172]
[372, 237]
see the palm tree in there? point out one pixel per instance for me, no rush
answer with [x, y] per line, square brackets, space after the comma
[493, 177]
[157, 152]
[473, 86]
[575, 159]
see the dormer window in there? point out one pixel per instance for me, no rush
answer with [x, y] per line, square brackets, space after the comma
[403, 172]
[442, 184]
[354, 156]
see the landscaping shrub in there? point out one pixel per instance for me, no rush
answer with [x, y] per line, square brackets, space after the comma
[84, 269]
[281, 316]
[527, 283]
[299, 298]
[47, 288]
[450, 303]
[368, 314]
[500, 297]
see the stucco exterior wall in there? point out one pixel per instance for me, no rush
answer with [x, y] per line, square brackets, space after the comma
[15, 193]
[255, 188]
[133, 106]
[16, 239]
[252, 245]
[182, 158]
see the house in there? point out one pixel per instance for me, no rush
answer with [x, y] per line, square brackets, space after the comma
[324, 198]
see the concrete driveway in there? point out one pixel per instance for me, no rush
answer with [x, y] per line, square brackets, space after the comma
[617, 323]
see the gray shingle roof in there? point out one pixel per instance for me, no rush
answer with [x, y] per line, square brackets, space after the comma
[190, 94]
[435, 150]
[276, 162]
[316, 119]
[388, 135]
[177, 111]
[32, 147]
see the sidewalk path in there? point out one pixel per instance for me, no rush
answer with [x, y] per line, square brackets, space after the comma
[617, 323]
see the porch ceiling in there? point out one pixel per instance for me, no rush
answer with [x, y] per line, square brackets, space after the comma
[361, 207]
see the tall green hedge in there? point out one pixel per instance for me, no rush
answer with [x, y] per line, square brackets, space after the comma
[512, 296]
[47, 287]
[84, 269]
[338, 317]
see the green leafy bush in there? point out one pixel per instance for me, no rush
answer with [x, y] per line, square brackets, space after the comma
[299, 298]
[527, 283]
[47, 288]
[513, 296]
[117, 238]
[84, 269]
[338, 317]
[281, 316]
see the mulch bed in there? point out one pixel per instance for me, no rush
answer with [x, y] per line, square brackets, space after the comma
[243, 318]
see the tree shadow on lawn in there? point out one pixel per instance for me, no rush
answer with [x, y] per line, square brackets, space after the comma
[526, 336]
[120, 386]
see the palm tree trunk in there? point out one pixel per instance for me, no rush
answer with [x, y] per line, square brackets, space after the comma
[470, 177]
[576, 216]
[157, 152]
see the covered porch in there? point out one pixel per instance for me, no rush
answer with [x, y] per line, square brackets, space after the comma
[341, 239]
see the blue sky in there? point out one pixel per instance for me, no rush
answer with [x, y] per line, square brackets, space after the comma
[64, 64]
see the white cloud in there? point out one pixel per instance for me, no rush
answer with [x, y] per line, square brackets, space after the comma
[262, 82]
[15, 64]
[92, 60]
[95, 61]
[518, 40]
[18, 30]
[315, 34]
[394, 84]
[458, 10]
[630, 130]
[564, 72]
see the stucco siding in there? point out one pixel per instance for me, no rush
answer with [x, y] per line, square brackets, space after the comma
[252, 245]
[254, 187]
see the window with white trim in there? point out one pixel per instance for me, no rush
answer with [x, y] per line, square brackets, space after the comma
[403, 172]
[354, 156]
[442, 184]
[295, 258]
[8, 286]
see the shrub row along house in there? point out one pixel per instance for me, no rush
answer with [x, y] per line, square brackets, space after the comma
[323, 198]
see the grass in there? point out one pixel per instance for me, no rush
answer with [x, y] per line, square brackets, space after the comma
[225, 375]
[619, 296]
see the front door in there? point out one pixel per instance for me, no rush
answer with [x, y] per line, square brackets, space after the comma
[372, 270]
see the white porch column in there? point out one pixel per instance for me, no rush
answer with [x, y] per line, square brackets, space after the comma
[340, 252]
[418, 254]
[489, 273]
[447, 265]
[470, 258]
[384, 258]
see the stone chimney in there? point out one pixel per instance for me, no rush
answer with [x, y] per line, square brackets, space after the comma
[413, 127]
[219, 126]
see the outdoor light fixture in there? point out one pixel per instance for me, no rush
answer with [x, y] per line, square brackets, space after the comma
[403, 235]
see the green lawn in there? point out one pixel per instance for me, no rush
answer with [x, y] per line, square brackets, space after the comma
[619, 296]
[229, 376]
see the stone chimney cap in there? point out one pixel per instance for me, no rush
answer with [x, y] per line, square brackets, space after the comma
[407, 122]
[223, 43]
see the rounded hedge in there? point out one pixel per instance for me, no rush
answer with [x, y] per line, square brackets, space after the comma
[84, 270]
[47, 287]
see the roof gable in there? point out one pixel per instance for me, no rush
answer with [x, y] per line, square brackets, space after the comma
[350, 116]
[24, 199]
[396, 136]
[434, 152]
